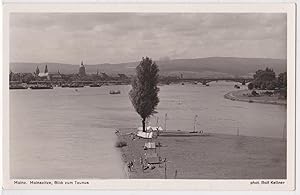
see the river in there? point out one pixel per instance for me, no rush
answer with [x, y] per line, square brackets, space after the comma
[68, 134]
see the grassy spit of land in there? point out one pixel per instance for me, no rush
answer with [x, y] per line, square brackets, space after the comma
[245, 96]
[215, 156]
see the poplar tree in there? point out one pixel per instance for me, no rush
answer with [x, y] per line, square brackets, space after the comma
[144, 92]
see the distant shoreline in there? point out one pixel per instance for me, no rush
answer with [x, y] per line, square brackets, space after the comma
[241, 95]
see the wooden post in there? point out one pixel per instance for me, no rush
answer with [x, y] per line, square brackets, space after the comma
[283, 130]
[165, 168]
[157, 131]
[238, 129]
[175, 176]
[195, 119]
[166, 115]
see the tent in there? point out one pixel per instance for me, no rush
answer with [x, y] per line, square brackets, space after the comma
[150, 145]
[156, 128]
[149, 128]
[144, 135]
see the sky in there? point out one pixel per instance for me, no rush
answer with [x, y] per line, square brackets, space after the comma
[98, 38]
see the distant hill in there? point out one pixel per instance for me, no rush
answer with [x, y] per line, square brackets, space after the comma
[199, 67]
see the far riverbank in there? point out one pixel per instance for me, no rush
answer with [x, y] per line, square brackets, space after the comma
[243, 95]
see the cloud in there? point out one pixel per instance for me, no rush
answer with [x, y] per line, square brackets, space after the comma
[123, 37]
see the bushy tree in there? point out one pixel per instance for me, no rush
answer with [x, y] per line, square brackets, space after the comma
[250, 86]
[282, 80]
[264, 79]
[11, 74]
[282, 84]
[15, 77]
[144, 92]
[27, 77]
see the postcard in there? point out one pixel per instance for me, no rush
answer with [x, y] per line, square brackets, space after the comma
[149, 96]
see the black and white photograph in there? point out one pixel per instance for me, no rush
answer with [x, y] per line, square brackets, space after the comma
[148, 95]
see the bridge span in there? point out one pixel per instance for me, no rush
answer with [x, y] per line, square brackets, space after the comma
[207, 80]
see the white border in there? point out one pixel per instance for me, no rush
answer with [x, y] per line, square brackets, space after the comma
[166, 8]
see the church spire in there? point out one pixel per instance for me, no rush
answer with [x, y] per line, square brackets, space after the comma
[37, 71]
[81, 70]
[46, 69]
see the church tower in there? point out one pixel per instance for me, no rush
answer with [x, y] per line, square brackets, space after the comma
[37, 71]
[46, 69]
[81, 70]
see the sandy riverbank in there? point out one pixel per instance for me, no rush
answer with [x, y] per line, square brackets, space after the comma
[242, 95]
[216, 156]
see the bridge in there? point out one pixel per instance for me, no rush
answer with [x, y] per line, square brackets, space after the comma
[207, 80]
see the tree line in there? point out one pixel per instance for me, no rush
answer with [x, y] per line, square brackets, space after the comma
[267, 80]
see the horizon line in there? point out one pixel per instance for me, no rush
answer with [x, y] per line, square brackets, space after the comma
[151, 58]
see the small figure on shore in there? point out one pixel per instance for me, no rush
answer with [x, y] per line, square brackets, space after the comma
[130, 166]
[141, 161]
[146, 167]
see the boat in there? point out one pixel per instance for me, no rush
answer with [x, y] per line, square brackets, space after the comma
[114, 92]
[18, 86]
[178, 133]
[43, 86]
[96, 85]
[65, 85]
[236, 86]
[76, 85]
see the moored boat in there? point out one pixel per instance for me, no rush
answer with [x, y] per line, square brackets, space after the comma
[114, 92]
[18, 86]
[236, 86]
[76, 85]
[65, 85]
[95, 85]
[41, 86]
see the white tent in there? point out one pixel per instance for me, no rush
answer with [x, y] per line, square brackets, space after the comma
[42, 74]
[156, 128]
[145, 134]
[150, 145]
[149, 128]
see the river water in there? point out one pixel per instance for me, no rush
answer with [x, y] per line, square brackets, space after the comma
[68, 134]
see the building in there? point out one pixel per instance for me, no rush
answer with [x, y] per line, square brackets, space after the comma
[81, 70]
[104, 76]
[56, 77]
[43, 75]
[123, 76]
[37, 71]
